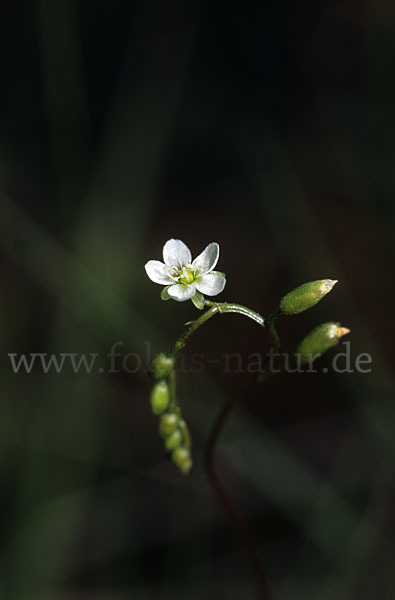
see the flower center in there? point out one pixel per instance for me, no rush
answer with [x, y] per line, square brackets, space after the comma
[186, 275]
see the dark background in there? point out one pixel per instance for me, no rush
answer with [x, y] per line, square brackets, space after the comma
[270, 129]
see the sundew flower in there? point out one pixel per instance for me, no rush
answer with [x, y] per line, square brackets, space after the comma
[186, 279]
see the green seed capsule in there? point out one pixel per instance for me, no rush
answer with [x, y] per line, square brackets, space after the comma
[173, 440]
[181, 457]
[305, 296]
[161, 366]
[167, 424]
[159, 397]
[319, 341]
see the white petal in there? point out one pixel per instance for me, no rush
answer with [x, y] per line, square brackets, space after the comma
[207, 260]
[157, 272]
[211, 284]
[176, 253]
[181, 292]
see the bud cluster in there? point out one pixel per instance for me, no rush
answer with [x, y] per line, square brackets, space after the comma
[172, 428]
[322, 337]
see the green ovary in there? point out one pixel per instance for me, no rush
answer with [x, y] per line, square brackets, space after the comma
[187, 276]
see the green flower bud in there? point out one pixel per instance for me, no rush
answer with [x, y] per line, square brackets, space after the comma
[319, 341]
[305, 296]
[173, 440]
[181, 457]
[159, 397]
[161, 366]
[167, 424]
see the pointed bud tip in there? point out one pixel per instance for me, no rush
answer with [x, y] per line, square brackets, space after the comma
[328, 284]
[342, 331]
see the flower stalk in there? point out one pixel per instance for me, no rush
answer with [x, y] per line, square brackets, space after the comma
[215, 309]
[187, 279]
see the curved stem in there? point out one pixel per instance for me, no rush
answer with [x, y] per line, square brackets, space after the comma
[237, 520]
[272, 330]
[231, 307]
[215, 309]
[223, 496]
[172, 390]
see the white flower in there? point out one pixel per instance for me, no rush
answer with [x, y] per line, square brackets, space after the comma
[186, 279]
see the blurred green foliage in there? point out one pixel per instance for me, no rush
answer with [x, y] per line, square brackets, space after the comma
[268, 128]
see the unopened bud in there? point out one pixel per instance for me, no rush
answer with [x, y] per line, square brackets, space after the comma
[319, 341]
[161, 366]
[181, 457]
[305, 296]
[173, 440]
[167, 424]
[159, 397]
